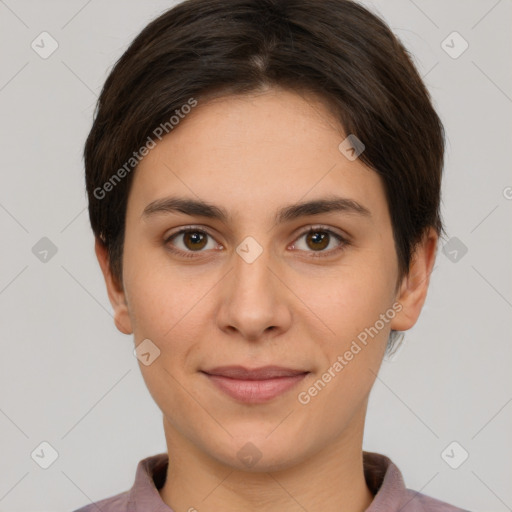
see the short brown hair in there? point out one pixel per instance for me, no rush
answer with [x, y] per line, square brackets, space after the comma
[335, 49]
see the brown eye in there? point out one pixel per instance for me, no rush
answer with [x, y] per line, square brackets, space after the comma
[194, 240]
[188, 241]
[317, 240]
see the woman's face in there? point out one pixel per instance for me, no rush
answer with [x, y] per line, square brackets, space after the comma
[254, 288]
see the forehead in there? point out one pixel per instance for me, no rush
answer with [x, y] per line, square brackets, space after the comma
[253, 153]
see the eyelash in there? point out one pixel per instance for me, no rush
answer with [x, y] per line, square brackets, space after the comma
[343, 242]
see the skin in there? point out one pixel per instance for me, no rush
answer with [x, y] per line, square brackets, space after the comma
[252, 155]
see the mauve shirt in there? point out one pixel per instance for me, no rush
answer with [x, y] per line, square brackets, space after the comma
[382, 477]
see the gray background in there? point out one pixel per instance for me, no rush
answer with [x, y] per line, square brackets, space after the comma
[69, 378]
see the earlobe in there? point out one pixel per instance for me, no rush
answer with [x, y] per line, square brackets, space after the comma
[414, 286]
[115, 290]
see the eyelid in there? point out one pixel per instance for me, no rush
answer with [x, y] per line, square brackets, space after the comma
[187, 229]
[184, 229]
[322, 227]
[343, 239]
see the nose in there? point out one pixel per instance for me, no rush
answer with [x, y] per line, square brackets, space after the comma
[254, 300]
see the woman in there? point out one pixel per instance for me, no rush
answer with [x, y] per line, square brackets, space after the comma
[264, 185]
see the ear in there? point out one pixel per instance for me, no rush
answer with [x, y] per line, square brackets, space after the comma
[414, 286]
[114, 289]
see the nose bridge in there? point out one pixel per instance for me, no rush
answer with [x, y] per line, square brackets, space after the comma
[253, 301]
[251, 275]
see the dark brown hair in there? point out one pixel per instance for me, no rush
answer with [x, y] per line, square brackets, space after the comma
[335, 49]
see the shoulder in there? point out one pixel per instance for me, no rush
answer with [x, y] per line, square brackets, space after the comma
[117, 503]
[417, 502]
[149, 477]
[386, 482]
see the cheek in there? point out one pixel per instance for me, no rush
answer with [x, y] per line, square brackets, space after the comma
[346, 300]
[350, 355]
[167, 311]
[161, 296]
[353, 309]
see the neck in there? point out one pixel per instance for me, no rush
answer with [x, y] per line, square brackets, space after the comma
[330, 477]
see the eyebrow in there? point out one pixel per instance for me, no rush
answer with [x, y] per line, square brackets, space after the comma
[194, 207]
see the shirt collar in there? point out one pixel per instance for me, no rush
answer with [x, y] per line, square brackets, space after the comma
[382, 476]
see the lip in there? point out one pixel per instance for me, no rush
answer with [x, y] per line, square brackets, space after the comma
[257, 385]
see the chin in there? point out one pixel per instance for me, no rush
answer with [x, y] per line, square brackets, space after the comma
[258, 453]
